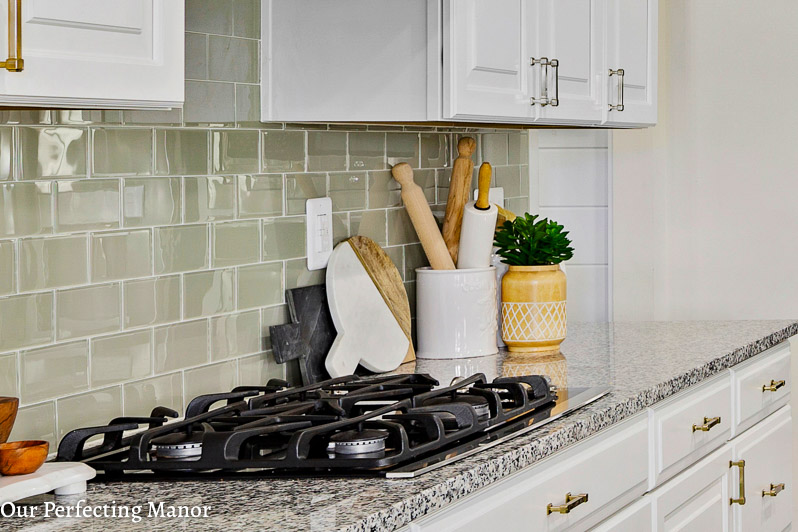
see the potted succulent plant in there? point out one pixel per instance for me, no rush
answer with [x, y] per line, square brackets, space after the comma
[534, 287]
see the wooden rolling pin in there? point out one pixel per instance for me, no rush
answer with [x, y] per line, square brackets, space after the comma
[479, 225]
[423, 221]
[459, 191]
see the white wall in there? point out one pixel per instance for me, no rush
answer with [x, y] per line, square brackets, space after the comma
[705, 209]
[569, 169]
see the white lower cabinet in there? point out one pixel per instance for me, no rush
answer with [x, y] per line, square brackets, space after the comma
[637, 517]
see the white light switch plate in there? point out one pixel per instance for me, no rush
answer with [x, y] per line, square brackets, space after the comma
[495, 195]
[319, 235]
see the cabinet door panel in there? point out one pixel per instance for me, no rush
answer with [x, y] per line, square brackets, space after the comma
[94, 52]
[485, 68]
[632, 46]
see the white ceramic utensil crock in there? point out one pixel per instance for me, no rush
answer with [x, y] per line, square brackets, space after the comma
[456, 312]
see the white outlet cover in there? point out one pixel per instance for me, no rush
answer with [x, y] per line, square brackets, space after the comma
[495, 195]
[319, 232]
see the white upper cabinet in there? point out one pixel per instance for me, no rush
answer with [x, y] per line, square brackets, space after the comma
[493, 61]
[631, 75]
[96, 54]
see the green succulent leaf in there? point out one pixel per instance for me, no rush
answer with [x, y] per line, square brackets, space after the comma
[530, 241]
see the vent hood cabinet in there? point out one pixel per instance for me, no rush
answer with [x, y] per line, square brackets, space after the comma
[92, 54]
[547, 62]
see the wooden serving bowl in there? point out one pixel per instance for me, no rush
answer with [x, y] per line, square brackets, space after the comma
[22, 457]
[8, 413]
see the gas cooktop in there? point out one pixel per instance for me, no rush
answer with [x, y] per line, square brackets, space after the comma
[394, 426]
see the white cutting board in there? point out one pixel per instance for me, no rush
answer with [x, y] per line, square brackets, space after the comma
[368, 333]
[66, 478]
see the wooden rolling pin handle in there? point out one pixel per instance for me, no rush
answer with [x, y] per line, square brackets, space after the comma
[422, 218]
[485, 174]
[466, 147]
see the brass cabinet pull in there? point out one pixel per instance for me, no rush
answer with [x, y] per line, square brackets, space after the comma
[709, 422]
[619, 105]
[571, 502]
[544, 99]
[773, 386]
[741, 465]
[555, 65]
[774, 490]
[14, 63]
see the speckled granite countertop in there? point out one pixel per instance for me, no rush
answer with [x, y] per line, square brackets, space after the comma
[645, 362]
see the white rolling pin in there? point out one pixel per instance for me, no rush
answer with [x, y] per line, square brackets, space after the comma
[479, 226]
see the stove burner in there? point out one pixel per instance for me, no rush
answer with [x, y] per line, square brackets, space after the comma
[178, 446]
[352, 442]
[479, 404]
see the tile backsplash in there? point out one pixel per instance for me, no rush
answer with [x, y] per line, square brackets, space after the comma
[144, 254]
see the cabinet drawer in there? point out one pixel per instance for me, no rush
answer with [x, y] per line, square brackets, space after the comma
[757, 387]
[611, 468]
[636, 517]
[677, 438]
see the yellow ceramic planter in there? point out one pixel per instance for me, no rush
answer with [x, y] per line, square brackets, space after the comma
[533, 308]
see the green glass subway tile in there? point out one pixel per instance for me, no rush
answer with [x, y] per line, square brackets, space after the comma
[121, 255]
[211, 379]
[301, 187]
[518, 205]
[307, 126]
[152, 301]
[155, 117]
[495, 148]
[181, 345]
[122, 151]
[367, 151]
[347, 126]
[348, 191]
[151, 201]
[121, 357]
[297, 274]
[52, 262]
[25, 321]
[516, 143]
[27, 209]
[209, 198]
[260, 285]
[7, 152]
[384, 191]
[236, 243]
[403, 148]
[196, 56]
[144, 395]
[400, 228]
[181, 248]
[209, 103]
[283, 151]
[442, 179]
[181, 151]
[384, 127]
[8, 376]
[88, 409]
[232, 59]
[283, 238]
[209, 16]
[272, 316]
[246, 18]
[87, 204]
[340, 224]
[87, 311]
[524, 171]
[248, 106]
[36, 423]
[410, 289]
[48, 152]
[426, 180]
[326, 151]
[257, 369]
[26, 117]
[235, 335]
[434, 150]
[370, 224]
[84, 117]
[397, 255]
[235, 151]
[7, 269]
[207, 293]
[508, 177]
[260, 195]
[54, 371]
[524, 147]
[414, 258]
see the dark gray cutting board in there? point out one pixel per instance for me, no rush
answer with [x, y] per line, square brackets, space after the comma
[309, 335]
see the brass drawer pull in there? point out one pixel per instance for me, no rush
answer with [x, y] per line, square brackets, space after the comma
[774, 490]
[14, 63]
[571, 502]
[773, 386]
[709, 422]
[741, 465]
[619, 105]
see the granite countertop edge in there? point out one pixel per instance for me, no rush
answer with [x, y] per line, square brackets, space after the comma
[463, 484]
